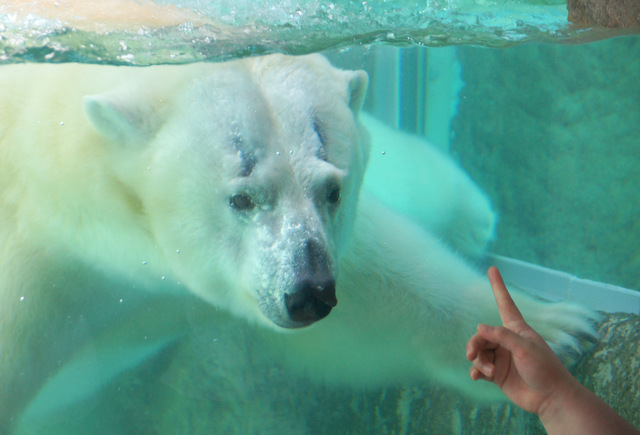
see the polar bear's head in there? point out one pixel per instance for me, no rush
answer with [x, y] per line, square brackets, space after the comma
[247, 174]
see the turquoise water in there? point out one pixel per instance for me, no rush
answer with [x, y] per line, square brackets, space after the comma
[550, 131]
[559, 126]
[224, 29]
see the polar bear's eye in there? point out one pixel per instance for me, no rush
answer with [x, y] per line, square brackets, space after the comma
[333, 195]
[241, 202]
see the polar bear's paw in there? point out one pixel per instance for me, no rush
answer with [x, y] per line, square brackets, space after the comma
[472, 230]
[569, 329]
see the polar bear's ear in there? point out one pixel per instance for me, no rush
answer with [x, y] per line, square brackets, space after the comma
[358, 83]
[117, 121]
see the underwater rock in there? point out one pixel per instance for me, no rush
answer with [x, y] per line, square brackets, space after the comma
[189, 390]
[612, 370]
[605, 13]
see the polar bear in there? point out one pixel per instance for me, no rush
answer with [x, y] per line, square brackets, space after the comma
[413, 177]
[124, 190]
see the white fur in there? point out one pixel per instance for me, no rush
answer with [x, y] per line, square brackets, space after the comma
[115, 203]
[412, 176]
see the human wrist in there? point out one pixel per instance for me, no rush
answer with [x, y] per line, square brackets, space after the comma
[554, 408]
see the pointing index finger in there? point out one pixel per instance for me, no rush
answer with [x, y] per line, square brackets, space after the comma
[508, 310]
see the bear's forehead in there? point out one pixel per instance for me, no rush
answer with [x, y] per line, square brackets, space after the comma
[282, 153]
[292, 114]
[287, 129]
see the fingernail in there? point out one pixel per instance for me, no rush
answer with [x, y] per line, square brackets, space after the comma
[487, 369]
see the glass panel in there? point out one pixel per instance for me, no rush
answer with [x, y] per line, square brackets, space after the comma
[157, 278]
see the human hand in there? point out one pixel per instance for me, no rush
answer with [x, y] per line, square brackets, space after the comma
[515, 357]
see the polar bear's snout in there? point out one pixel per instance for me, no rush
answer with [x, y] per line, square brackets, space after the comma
[314, 292]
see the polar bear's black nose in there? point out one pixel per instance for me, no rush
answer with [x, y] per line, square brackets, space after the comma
[311, 300]
[314, 292]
